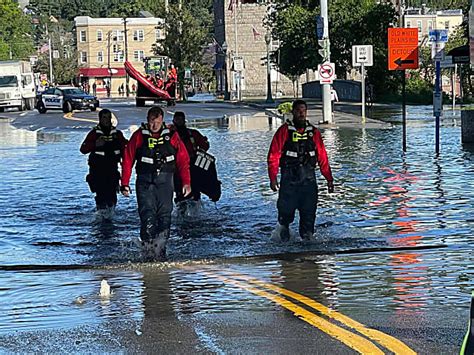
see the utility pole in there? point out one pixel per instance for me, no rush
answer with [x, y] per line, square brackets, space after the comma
[327, 110]
[127, 77]
[51, 79]
[108, 58]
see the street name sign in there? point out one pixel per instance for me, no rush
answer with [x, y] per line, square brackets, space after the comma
[362, 55]
[438, 36]
[327, 73]
[402, 48]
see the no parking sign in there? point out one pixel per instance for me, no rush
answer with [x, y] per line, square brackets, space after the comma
[327, 73]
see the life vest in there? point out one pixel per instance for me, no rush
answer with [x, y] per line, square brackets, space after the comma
[110, 151]
[299, 148]
[156, 154]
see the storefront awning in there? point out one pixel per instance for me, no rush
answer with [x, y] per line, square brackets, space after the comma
[101, 72]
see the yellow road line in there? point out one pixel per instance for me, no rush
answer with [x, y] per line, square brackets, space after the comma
[393, 344]
[354, 341]
[69, 116]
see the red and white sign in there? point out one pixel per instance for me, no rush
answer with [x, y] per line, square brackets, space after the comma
[326, 73]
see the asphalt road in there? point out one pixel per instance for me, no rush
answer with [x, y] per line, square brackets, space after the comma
[250, 306]
[125, 110]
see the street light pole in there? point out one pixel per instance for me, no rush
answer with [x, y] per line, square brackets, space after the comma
[226, 85]
[269, 99]
[127, 77]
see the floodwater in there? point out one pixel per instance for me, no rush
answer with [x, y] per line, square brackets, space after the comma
[416, 208]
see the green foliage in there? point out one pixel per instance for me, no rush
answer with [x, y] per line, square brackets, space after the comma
[418, 90]
[294, 26]
[285, 107]
[15, 32]
[65, 70]
[184, 38]
[351, 22]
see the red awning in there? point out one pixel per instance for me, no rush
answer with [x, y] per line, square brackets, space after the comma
[102, 72]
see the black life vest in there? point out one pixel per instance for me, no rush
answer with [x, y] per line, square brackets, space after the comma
[299, 148]
[110, 152]
[155, 154]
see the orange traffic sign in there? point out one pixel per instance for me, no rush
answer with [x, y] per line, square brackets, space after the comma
[402, 48]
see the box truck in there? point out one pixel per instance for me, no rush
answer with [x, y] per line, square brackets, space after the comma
[17, 85]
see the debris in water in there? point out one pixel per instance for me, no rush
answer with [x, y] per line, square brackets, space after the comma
[138, 332]
[104, 289]
[79, 300]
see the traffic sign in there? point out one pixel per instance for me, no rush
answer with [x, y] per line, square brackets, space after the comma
[438, 36]
[362, 55]
[402, 48]
[437, 50]
[327, 73]
[437, 103]
[447, 62]
[238, 64]
[319, 27]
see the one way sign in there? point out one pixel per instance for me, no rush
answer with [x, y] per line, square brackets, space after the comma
[362, 55]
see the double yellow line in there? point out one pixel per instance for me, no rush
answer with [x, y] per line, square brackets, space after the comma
[353, 340]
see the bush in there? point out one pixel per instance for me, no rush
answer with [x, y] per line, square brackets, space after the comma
[285, 107]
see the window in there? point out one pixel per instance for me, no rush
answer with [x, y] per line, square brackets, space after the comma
[138, 35]
[158, 34]
[99, 36]
[408, 24]
[83, 37]
[118, 56]
[100, 57]
[446, 25]
[419, 25]
[117, 36]
[83, 57]
[430, 25]
[138, 56]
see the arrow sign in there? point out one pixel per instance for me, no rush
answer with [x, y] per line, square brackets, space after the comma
[399, 61]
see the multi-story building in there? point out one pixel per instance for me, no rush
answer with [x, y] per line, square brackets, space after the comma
[240, 33]
[426, 20]
[103, 44]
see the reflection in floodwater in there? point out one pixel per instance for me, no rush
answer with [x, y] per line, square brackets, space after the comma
[382, 200]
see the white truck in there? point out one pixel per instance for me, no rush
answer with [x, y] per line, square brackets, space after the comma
[17, 85]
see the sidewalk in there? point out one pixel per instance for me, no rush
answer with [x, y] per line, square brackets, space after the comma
[345, 115]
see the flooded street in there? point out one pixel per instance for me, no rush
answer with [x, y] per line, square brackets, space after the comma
[395, 238]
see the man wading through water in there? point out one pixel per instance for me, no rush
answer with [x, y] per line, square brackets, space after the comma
[105, 145]
[296, 148]
[158, 152]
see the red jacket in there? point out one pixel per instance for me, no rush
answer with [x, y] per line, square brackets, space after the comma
[136, 141]
[88, 145]
[276, 149]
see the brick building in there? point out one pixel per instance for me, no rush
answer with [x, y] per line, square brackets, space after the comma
[101, 47]
[240, 32]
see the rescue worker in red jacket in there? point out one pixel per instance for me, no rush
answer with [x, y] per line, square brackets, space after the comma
[158, 153]
[297, 147]
[193, 140]
[105, 145]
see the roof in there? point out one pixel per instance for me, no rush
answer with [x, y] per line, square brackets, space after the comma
[116, 21]
[102, 72]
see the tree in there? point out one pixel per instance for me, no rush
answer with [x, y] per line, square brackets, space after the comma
[15, 32]
[184, 40]
[294, 27]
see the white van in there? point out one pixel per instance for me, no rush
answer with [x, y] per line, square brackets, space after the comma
[17, 86]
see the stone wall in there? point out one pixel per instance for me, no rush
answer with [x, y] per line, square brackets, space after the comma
[244, 33]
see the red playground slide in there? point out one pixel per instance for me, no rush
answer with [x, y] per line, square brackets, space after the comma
[134, 73]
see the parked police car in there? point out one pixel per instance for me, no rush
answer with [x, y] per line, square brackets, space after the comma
[65, 98]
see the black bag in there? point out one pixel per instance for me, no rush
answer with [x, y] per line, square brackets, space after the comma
[204, 175]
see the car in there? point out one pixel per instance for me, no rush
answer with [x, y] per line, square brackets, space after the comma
[66, 98]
